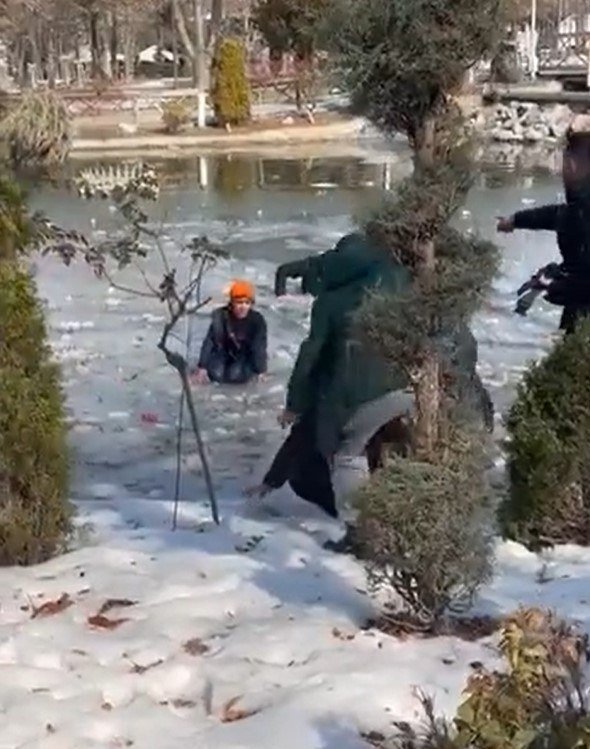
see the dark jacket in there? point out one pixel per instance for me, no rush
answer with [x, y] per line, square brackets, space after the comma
[243, 341]
[335, 373]
[571, 222]
[300, 463]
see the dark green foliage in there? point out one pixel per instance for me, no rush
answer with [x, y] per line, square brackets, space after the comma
[420, 528]
[465, 268]
[291, 25]
[402, 58]
[34, 512]
[230, 90]
[421, 518]
[21, 232]
[403, 61]
[297, 27]
[548, 449]
[15, 225]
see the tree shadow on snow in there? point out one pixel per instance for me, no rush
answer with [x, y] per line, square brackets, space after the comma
[283, 556]
[333, 733]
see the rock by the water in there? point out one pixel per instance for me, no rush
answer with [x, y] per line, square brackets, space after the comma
[523, 122]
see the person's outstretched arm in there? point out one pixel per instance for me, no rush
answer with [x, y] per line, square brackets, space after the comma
[544, 218]
[260, 347]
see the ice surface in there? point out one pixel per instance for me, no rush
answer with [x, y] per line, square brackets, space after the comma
[259, 593]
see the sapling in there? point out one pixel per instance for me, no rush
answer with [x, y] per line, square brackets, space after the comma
[128, 187]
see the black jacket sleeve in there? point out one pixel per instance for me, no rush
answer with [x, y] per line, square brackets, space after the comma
[294, 269]
[260, 346]
[207, 349]
[300, 390]
[213, 339]
[543, 218]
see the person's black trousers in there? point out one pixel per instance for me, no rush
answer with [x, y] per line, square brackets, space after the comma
[299, 462]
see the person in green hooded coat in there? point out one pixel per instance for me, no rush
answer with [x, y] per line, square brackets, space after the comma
[335, 372]
[341, 392]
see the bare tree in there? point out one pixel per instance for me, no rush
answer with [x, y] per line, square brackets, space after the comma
[198, 43]
[128, 187]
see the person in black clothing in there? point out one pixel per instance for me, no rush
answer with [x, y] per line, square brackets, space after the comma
[568, 284]
[234, 350]
[301, 464]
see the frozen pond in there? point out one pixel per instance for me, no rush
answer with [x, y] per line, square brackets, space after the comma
[263, 211]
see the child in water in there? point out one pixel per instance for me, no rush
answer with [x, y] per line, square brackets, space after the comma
[234, 350]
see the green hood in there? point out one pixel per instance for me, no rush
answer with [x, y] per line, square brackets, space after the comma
[354, 260]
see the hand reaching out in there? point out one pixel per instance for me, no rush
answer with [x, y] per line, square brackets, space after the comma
[200, 377]
[505, 224]
[286, 418]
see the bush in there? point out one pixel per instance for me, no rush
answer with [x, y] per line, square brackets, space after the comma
[230, 90]
[34, 513]
[176, 115]
[538, 702]
[421, 530]
[548, 450]
[15, 226]
[37, 130]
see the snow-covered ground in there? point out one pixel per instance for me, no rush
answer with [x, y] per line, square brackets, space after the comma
[236, 638]
[248, 635]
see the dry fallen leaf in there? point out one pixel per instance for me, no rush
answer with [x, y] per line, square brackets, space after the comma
[230, 713]
[115, 603]
[139, 669]
[102, 622]
[49, 608]
[195, 646]
[180, 703]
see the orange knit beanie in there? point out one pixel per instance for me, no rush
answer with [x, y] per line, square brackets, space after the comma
[240, 289]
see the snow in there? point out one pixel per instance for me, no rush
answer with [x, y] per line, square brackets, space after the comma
[253, 620]
[274, 620]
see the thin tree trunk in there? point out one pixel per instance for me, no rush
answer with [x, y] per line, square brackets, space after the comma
[129, 46]
[182, 30]
[51, 60]
[217, 12]
[21, 63]
[200, 57]
[174, 32]
[427, 386]
[200, 63]
[195, 49]
[35, 53]
[114, 43]
[96, 67]
[200, 445]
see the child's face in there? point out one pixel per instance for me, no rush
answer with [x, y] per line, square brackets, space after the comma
[241, 307]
